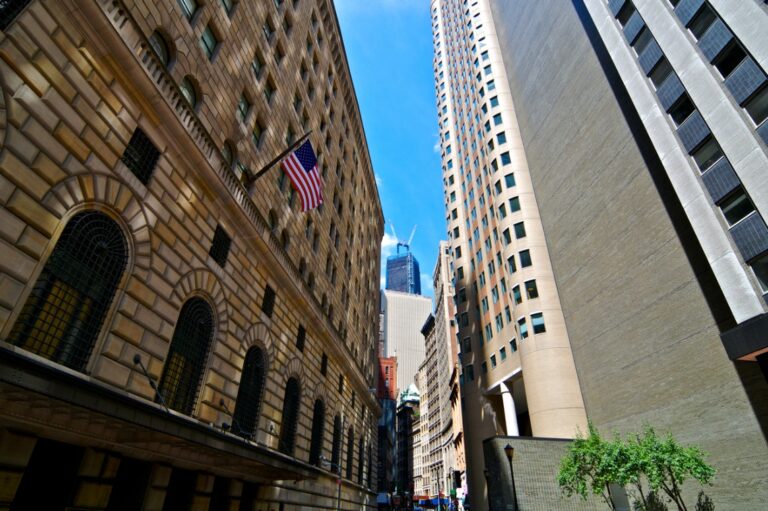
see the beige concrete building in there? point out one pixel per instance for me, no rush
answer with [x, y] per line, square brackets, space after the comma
[644, 125]
[171, 338]
[404, 315]
[517, 367]
[444, 460]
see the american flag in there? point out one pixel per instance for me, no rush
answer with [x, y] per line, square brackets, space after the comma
[301, 167]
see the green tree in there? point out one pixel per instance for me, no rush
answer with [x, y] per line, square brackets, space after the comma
[667, 465]
[592, 464]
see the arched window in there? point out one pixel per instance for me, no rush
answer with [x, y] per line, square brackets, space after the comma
[185, 363]
[336, 452]
[228, 153]
[160, 48]
[360, 460]
[249, 394]
[63, 315]
[189, 91]
[290, 417]
[368, 466]
[318, 428]
[350, 451]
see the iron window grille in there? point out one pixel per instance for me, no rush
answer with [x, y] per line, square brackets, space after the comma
[350, 451]
[318, 429]
[336, 450]
[140, 156]
[250, 393]
[63, 315]
[268, 305]
[220, 246]
[290, 417]
[360, 460]
[189, 349]
[301, 338]
[9, 10]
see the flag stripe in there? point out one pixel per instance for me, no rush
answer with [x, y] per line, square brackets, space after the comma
[301, 168]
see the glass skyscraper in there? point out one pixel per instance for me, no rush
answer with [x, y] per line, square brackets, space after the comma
[403, 274]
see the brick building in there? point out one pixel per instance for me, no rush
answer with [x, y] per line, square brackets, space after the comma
[173, 335]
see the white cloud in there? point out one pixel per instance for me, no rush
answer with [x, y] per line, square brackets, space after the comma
[388, 245]
[378, 180]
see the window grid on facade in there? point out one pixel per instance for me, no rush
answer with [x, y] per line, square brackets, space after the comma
[62, 317]
[140, 156]
[185, 363]
[220, 246]
[249, 393]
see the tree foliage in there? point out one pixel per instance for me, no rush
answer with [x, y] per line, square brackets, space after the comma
[593, 463]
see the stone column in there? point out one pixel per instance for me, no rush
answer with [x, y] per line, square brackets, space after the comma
[510, 413]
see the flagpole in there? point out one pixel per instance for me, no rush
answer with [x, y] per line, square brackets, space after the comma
[251, 179]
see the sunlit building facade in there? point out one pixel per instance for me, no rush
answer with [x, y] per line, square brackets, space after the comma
[517, 367]
[174, 334]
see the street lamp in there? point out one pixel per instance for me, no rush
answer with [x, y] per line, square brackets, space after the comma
[325, 460]
[510, 452]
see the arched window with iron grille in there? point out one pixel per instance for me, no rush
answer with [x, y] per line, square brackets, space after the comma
[350, 451]
[250, 393]
[290, 417]
[185, 363]
[63, 315]
[318, 429]
[336, 451]
[360, 460]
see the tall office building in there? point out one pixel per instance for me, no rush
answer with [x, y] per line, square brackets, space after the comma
[443, 467]
[644, 135]
[517, 367]
[403, 273]
[172, 336]
[404, 315]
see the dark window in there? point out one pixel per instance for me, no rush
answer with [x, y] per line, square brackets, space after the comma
[220, 246]
[660, 72]
[520, 230]
[525, 258]
[250, 393]
[341, 383]
[189, 8]
[531, 289]
[729, 59]
[160, 47]
[757, 106]
[707, 154]
[290, 420]
[336, 451]
[181, 490]
[681, 110]
[9, 9]
[318, 427]
[360, 460]
[300, 338]
[324, 365]
[625, 13]
[268, 305]
[736, 206]
[63, 315]
[185, 363]
[350, 451]
[140, 156]
[702, 21]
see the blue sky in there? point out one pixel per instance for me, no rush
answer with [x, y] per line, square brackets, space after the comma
[389, 47]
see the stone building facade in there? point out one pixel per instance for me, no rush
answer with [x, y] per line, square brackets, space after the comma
[174, 335]
[443, 442]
